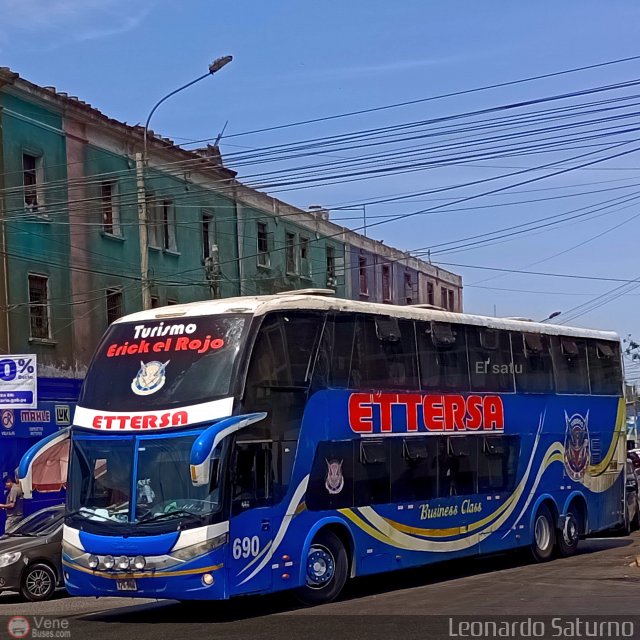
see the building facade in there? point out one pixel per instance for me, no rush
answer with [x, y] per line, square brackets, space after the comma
[70, 195]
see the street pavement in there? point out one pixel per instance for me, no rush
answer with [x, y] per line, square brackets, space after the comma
[602, 579]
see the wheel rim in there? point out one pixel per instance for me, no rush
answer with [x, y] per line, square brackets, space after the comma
[570, 530]
[542, 533]
[38, 582]
[321, 567]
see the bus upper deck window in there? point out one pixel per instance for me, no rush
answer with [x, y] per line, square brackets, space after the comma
[570, 365]
[605, 370]
[532, 343]
[532, 363]
[569, 348]
[387, 329]
[442, 334]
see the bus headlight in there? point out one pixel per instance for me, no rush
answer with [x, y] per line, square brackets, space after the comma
[94, 561]
[9, 558]
[123, 563]
[109, 562]
[195, 550]
[139, 563]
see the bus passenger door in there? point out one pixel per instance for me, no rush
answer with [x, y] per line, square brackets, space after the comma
[251, 529]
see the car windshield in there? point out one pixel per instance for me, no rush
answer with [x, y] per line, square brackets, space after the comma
[104, 489]
[40, 523]
[149, 365]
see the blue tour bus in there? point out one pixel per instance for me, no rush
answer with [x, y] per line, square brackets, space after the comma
[292, 441]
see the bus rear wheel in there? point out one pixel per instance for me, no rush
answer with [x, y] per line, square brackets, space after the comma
[544, 535]
[326, 572]
[569, 535]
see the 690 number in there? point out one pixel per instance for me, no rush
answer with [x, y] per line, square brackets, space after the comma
[246, 547]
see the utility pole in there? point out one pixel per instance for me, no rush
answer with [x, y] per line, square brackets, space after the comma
[144, 238]
[141, 165]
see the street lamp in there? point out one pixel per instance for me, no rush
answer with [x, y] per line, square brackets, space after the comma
[551, 316]
[141, 163]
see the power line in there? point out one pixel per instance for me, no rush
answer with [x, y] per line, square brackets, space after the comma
[429, 99]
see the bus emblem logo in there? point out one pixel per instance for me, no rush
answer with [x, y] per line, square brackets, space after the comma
[150, 378]
[334, 482]
[576, 445]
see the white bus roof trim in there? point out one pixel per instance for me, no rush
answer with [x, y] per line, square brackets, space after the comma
[305, 300]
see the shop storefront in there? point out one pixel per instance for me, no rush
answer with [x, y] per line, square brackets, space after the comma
[22, 428]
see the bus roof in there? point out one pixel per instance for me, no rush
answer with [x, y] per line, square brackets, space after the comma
[322, 300]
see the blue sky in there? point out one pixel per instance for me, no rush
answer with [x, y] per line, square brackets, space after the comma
[295, 61]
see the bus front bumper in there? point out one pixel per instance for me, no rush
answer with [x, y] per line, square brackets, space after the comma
[204, 582]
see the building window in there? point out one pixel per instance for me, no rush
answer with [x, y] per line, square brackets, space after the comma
[386, 283]
[155, 302]
[332, 281]
[153, 222]
[171, 302]
[452, 305]
[169, 226]
[431, 298]
[408, 289]
[264, 258]
[32, 181]
[39, 307]
[305, 262]
[208, 235]
[444, 298]
[109, 206]
[290, 251]
[114, 305]
[362, 272]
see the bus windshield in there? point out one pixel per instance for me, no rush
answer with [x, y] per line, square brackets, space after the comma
[110, 477]
[149, 365]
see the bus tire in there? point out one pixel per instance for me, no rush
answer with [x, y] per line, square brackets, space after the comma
[544, 535]
[569, 535]
[327, 568]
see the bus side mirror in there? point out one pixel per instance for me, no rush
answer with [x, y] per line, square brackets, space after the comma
[206, 443]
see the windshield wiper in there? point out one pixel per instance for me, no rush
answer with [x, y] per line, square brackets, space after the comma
[87, 513]
[170, 514]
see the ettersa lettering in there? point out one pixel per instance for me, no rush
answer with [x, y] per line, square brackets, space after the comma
[369, 412]
[145, 421]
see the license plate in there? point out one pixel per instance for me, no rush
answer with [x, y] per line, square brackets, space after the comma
[126, 585]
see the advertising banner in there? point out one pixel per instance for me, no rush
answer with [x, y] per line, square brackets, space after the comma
[18, 382]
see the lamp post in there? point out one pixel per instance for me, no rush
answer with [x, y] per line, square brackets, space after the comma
[551, 316]
[141, 163]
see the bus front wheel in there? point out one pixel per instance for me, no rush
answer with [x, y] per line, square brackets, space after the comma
[544, 537]
[326, 572]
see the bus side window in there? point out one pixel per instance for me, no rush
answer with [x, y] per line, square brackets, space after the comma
[605, 372]
[331, 478]
[490, 362]
[570, 364]
[280, 369]
[252, 476]
[442, 352]
[458, 466]
[532, 363]
[414, 469]
[497, 463]
[372, 473]
[343, 374]
[385, 350]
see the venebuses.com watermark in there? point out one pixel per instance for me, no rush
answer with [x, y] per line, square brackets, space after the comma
[38, 627]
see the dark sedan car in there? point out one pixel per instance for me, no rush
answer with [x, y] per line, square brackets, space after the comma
[31, 555]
